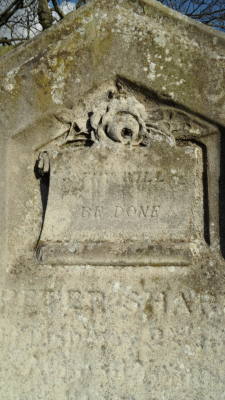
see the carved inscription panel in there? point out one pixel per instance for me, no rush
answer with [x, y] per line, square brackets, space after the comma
[123, 205]
[125, 182]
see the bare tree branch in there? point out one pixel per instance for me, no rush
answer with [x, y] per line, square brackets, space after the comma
[44, 14]
[4, 40]
[8, 12]
[210, 12]
[58, 9]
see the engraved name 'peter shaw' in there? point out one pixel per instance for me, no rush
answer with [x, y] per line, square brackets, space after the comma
[140, 212]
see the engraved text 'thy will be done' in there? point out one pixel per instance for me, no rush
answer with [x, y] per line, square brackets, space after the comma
[121, 212]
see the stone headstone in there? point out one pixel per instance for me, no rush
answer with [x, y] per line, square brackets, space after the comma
[112, 208]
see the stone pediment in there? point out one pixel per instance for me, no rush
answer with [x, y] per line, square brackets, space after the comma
[158, 49]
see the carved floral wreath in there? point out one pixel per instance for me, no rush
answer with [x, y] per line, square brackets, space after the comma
[121, 119]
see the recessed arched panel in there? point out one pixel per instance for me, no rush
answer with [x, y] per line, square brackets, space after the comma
[127, 180]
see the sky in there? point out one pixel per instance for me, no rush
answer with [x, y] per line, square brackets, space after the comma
[17, 29]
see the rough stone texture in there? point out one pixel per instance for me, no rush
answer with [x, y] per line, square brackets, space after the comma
[118, 111]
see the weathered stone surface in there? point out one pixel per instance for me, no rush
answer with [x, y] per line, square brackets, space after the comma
[111, 209]
[94, 208]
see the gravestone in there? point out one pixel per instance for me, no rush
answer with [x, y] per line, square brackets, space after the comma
[112, 208]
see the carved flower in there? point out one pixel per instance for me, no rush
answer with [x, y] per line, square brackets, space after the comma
[123, 120]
